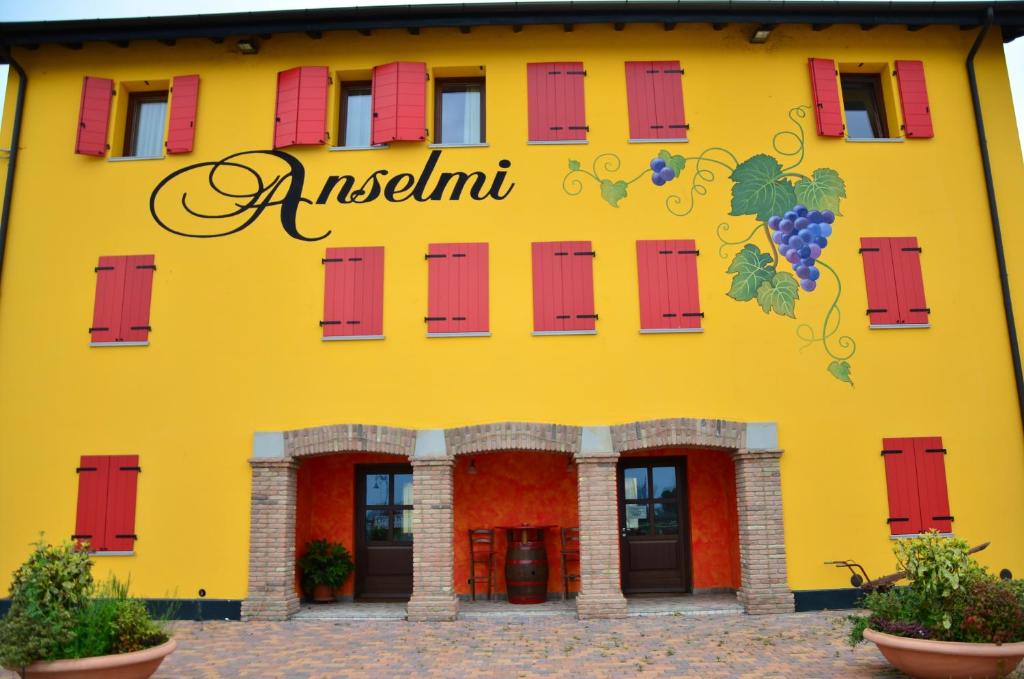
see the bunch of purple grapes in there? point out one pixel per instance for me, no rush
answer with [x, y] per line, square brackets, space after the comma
[661, 172]
[801, 235]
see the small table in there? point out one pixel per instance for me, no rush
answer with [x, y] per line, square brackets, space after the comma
[526, 564]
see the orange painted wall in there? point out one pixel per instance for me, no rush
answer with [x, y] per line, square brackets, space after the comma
[714, 526]
[325, 504]
[511, 488]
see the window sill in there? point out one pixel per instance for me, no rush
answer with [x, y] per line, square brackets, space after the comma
[899, 326]
[121, 159]
[372, 147]
[880, 140]
[343, 338]
[459, 334]
[131, 553]
[662, 331]
[911, 536]
[481, 145]
[674, 140]
[557, 142]
[541, 333]
[143, 343]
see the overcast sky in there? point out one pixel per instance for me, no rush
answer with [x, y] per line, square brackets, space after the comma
[41, 10]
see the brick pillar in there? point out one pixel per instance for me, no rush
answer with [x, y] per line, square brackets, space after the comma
[272, 593]
[764, 585]
[433, 557]
[600, 581]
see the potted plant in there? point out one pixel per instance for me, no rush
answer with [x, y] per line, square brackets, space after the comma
[62, 625]
[324, 567]
[954, 620]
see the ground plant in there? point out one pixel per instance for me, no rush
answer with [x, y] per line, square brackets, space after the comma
[950, 597]
[325, 563]
[58, 611]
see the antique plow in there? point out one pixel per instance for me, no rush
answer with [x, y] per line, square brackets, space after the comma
[862, 580]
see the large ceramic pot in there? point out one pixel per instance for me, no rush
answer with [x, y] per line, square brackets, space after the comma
[137, 665]
[929, 659]
[323, 593]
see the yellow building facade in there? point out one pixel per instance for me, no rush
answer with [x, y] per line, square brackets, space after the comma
[235, 367]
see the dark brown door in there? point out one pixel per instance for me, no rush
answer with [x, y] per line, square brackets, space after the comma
[384, 532]
[654, 525]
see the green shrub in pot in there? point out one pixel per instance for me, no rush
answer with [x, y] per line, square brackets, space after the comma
[324, 563]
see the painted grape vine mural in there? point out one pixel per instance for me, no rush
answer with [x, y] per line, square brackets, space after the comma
[795, 217]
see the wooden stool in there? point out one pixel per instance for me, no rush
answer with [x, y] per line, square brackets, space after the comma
[481, 554]
[570, 557]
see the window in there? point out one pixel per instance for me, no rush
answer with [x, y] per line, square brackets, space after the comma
[668, 286]
[144, 131]
[459, 111]
[864, 106]
[353, 294]
[300, 114]
[399, 102]
[654, 92]
[106, 502]
[457, 290]
[124, 288]
[895, 287]
[356, 115]
[554, 94]
[563, 288]
[94, 116]
[915, 475]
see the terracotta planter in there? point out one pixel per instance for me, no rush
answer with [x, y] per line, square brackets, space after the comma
[928, 659]
[323, 593]
[137, 665]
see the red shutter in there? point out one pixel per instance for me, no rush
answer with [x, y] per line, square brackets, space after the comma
[181, 128]
[354, 293]
[138, 293]
[458, 288]
[906, 261]
[301, 116]
[654, 91]
[668, 284]
[124, 474]
[93, 116]
[555, 99]
[931, 484]
[109, 300]
[90, 522]
[563, 287]
[880, 278]
[825, 90]
[399, 94]
[917, 114]
[901, 481]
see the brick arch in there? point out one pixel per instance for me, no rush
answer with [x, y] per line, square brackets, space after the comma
[679, 431]
[483, 438]
[349, 438]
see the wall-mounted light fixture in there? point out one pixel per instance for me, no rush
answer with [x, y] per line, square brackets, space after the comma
[471, 470]
[761, 34]
[247, 46]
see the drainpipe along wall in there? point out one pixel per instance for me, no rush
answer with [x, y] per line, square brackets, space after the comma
[12, 159]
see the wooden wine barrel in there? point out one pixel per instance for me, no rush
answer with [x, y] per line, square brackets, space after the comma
[526, 572]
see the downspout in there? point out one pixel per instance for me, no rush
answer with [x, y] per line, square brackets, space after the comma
[993, 209]
[5, 212]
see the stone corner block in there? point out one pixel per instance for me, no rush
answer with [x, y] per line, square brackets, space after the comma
[268, 445]
[430, 445]
[596, 441]
[762, 436]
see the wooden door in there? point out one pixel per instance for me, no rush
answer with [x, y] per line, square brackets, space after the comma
[384, 505]
[654, 525]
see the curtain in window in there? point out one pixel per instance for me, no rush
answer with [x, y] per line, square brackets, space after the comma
[460, 115]
[149, 139]
[357, 119]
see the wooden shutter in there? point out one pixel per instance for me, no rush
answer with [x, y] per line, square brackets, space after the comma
[901, 481]
[667, 271]
[880, 279]
[138, 293]
[563, 287]
[181, 126]
[458, 288]
[917, 114]
[301, 114]
[654, 92]
[931, 484]
[121, 493]
[353, 293]
[94, 116]
[399, 93]
[906, 264]
[555, 101]
[825, 92]
[109, 300]
[90, 522]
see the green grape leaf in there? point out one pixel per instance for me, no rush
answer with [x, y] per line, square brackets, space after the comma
[677, 163]
[779, 294]
[822, 191]
[574, 165]
[752, 268]
[760, 189]
[841, 371]
[613, 192]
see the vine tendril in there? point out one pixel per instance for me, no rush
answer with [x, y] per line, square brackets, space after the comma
[795, 113]
[829, 326]
[724, 226]
[701, 173]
